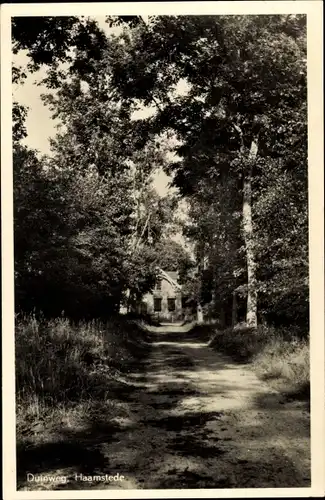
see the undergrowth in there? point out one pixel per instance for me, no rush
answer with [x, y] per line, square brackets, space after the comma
[65, 368]
[277, 355]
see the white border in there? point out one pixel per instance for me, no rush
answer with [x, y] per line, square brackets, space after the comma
[314, 11]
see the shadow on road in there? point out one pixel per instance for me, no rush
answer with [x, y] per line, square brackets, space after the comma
[179, 334]
[195, 420]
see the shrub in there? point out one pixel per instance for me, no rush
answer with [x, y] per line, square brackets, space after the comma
[287, 362]
[241, 343]
[61, 363]
[276, 354]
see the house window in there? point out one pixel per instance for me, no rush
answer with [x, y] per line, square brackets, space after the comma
[158, 284]
[184, 302]
[157, 304]
[171, 305]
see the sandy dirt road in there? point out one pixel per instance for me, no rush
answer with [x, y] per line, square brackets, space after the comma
[190, 418]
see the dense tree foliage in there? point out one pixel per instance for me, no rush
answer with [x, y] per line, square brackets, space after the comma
[243, 117]
[87, 220]
[232, 91]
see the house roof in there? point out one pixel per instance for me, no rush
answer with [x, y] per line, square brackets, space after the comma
[171, 276]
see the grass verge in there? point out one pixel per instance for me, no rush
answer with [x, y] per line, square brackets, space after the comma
[277, 355]
[65, 372]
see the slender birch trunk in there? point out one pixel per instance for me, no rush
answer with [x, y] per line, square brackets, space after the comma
[213, 299]
[248, 232]
[199, 314]
[200, 257]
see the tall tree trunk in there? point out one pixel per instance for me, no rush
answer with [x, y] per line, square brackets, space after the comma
[214, 298]
[213, 301]
[200, 259]
[199, 314]
[251, 313]
[234, 309]
[128, 300]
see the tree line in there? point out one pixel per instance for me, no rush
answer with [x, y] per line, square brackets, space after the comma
[89, 228]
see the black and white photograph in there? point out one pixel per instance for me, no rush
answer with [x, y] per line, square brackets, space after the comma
[161, 250]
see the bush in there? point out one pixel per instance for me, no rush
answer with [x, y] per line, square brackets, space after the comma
[276, 354]
[59, 363]
[287, 362]
[241, 343]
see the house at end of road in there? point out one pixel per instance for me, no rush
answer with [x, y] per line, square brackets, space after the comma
[165, 302]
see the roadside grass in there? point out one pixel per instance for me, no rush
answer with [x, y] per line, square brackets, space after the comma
[66, 373]
[278, 356]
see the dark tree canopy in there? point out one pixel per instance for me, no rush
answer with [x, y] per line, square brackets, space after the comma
[239, 118]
